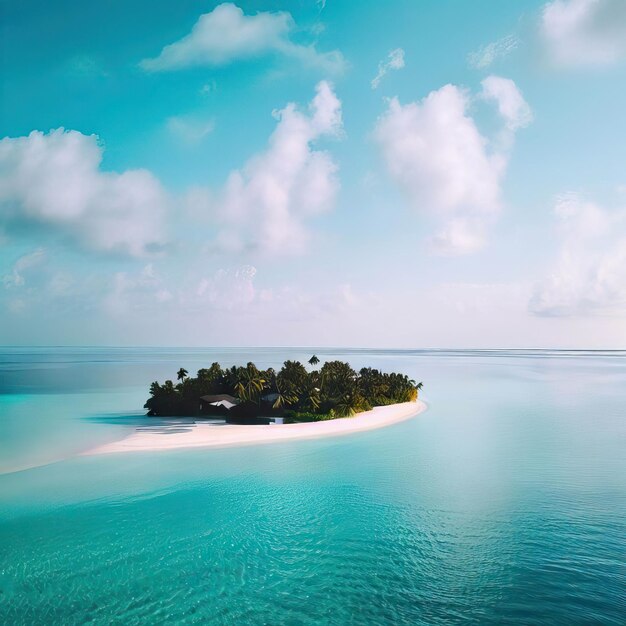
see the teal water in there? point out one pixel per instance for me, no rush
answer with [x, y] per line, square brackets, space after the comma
[504, 503]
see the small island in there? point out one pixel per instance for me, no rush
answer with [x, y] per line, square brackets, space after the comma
[246, 405]
[294, 394]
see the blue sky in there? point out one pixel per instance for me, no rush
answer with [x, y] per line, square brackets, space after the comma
[402, 174]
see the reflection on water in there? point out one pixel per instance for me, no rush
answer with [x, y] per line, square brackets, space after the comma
[501, 504]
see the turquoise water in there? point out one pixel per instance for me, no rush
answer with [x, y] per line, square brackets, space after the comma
[502, 504]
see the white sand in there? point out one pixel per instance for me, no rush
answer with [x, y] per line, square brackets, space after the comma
[204, 435]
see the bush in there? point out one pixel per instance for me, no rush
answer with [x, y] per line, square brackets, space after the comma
[296, 417]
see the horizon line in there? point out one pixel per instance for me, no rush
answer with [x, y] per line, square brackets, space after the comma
[309, 348]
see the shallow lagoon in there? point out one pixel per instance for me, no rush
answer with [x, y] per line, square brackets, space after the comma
[503, 503]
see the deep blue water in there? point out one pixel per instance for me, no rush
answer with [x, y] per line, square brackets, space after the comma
[504, 503]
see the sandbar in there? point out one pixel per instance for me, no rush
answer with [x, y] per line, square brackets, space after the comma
[208, 435]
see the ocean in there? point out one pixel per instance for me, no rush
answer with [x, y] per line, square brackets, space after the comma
[504, 503]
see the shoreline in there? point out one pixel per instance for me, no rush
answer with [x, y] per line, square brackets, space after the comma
[202, 435]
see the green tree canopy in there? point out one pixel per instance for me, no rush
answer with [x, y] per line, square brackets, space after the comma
[335, 390]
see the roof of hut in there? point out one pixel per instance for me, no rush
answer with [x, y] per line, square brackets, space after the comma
[220, 397]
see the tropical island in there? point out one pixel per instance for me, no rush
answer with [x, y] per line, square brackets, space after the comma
[294, 394]
[242, 405]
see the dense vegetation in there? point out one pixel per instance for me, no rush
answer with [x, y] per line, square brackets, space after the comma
[334, 390]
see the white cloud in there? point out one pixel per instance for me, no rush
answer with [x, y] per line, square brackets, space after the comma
[462, 235]
[26, 262]
[226, 35]
[487, 55]
[54, 181]
[233, 291]
[227, 294]
[264, 205]
[189, 129]
[435, 152]
[584, 32]
[227, 289]
[138, 291]
[512, 107]
[394, 61]
[589, 276]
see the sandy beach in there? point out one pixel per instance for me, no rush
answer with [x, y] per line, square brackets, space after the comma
[210, 435]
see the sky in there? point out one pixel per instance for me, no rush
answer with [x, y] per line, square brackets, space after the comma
[313, 173]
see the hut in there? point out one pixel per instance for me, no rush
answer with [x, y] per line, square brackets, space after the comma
[217, 404]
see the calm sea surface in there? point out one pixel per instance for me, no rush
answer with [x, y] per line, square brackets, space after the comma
[504, 503]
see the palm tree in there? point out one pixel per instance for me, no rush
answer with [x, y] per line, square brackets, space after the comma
[347, 406]
[182, 373]
[250, 384]
[284, 398]
[311, 398]
[292, 378]
[313, 361]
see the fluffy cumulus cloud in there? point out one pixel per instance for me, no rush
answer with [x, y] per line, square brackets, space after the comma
[264, 205]
[512, 107]
[226, 35]
[434, 150]
[54, 182]
[487, 55]
[585, 32]
[589, 275]
[394, 61]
